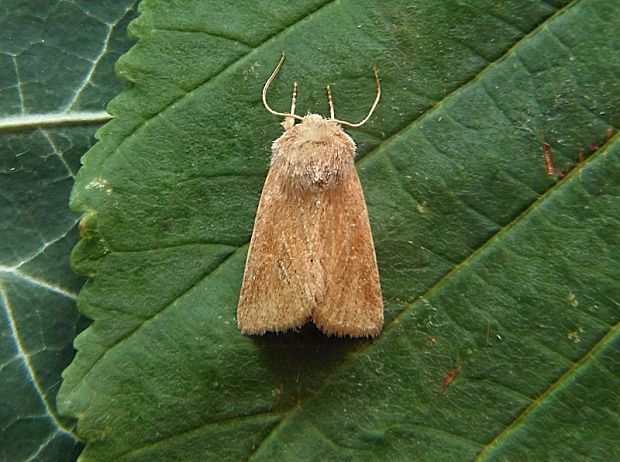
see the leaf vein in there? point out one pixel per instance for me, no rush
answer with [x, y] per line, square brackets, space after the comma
[434, 431]
[38, 282]
[143, 321]
[203, 32]
[189, 431]
[95, 62]
[570, 373]
[25, 359]
[427, 114]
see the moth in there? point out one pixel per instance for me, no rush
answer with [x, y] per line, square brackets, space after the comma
[311, 256]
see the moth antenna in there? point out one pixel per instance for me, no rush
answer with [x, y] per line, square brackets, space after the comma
[289, 122]
[372, 108]
[330, 102]
[294, 98]
[266, 87]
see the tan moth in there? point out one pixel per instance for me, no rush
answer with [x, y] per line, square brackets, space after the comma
[311, 256]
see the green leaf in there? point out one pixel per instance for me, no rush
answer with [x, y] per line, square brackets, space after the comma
[500, 282]
[56, 62]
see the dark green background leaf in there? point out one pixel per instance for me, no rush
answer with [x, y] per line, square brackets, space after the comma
[488, 265]
[56, 75]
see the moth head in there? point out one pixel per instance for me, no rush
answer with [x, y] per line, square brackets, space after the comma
[291, 117]
[315, 129]
[314, 154]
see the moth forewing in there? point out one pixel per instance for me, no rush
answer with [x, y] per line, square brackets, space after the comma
[311, 256]
[275, 294]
